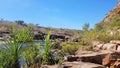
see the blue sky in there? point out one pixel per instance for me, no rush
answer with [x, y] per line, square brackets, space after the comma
[72, 14]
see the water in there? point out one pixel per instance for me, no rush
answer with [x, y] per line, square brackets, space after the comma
[36, 42]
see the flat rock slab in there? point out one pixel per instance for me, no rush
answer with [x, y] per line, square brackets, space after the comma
[75, 65]
[93, 57]
[81, 65]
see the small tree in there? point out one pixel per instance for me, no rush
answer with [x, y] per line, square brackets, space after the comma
[86, 27]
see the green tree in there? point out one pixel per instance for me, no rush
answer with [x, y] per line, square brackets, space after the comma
[86, 27]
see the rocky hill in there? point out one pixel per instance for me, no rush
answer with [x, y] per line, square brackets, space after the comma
[5, 27]
[112, 13]
[111, 20]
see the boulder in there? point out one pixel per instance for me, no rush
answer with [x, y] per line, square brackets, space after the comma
[112, 60]
[116, 64]
[75, 39]
[93, 57]
[72, 58]
[109, 46]
[115, 41]
[98, 47]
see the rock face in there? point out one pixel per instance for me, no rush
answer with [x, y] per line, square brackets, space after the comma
[108, 58]
[93, 57]
[102, 59]
[112, 60]
[109, 46]
[97, 45]
[114, 45]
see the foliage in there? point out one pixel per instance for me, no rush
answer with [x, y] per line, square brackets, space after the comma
[47, 55]
[60, 60]
[32, 55]
[13, 48]
[5, 59]
[86, 27]
[23, 34]
[70, 47]
[107, 37]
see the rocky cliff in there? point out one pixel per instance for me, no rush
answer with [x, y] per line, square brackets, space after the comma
[112, 13]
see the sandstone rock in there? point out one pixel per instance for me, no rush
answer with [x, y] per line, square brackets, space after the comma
[81, 65]
[109, 46]
[93, 57]
[115, 42]
[116, 64]
[72, 58]
[80, 52]
[75, 39]
[107, 60]
[98, 47]
[118, 48]
[110, 59]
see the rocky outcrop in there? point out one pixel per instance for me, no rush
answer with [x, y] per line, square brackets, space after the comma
[115, 42]
[101, 59]
[113, 12]
[112, 60]
[109, 46]
[93, 57]
[40, 35]
[107, 58]
[114, 45]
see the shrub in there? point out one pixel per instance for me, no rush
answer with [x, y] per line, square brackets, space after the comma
[12, 53]
[70, 47]
[47, 56]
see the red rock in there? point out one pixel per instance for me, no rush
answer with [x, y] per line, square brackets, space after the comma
[116, 64]
[110, 59]
[93, 57]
